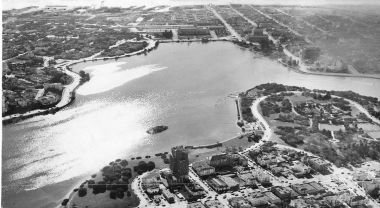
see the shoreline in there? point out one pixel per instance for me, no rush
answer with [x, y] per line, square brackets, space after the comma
[68, 93]
[302, 68]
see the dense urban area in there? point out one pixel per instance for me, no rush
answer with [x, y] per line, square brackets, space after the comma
[297, 147]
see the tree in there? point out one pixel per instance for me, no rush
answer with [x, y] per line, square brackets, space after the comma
[151, 165]
[168, 34]
[82, 192]
[124, 163]
[294, 63]
[113, 194]
[327, 96]
[120, 193]
[100, 187]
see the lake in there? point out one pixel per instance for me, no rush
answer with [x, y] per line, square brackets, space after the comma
[185, 86]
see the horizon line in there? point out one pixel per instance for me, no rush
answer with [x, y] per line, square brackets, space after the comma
[270, 4]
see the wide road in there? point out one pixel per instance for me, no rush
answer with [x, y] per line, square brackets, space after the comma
[228, 26]
[242, 15]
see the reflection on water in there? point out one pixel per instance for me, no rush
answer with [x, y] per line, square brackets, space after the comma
[74, 141]
[108, 76]
[124, 98]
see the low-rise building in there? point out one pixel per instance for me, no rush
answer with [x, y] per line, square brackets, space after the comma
[230, 182]
[213, 204]
[281, 193]
[261, 176]
[168, 196]
[195, 205]
[203, 169]
[273, 199]
[239, 202]
[217, 184]
[306, 188]
[299, 169]
[194, 192]
[259, 198]
[369, 186]
[318, 164]
[236, 159]
[318, 187]
[358, 200]
[219, 160]
[193, 31]
[248, 179]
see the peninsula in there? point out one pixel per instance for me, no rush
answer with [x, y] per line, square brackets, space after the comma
[300, 147]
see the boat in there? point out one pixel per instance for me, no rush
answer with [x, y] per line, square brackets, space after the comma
[157, 129]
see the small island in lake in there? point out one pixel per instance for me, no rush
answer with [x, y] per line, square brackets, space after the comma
[157, 129]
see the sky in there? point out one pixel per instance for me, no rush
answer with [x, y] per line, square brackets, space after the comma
[10, 4]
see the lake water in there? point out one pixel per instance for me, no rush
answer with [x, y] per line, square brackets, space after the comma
[182, 85]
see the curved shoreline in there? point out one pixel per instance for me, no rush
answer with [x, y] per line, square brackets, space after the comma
[332, 74]
[303, 69]
[68, 93]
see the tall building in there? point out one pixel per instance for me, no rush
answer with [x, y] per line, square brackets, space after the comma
[179, 162]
